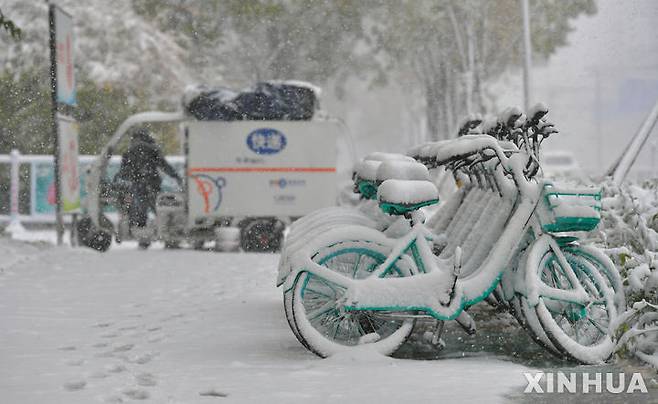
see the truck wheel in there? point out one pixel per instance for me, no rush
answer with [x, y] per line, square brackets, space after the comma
[100, 241]
[261, 235]
[171, 244]
[92, 237]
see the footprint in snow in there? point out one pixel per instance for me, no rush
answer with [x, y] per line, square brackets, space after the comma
[106, 354]
[155, 338]
[136, 394]
[113, 399]
[213, 393]
[142, 359]
[75, 362]
[115, 368]
[145, 379]
[173, 317]
[74, 385]
[123, 348]
[98, 375]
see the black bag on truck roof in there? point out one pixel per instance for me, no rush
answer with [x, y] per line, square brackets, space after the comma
[211, 104]
[278, 101]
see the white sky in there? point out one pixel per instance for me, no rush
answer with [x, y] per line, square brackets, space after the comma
[602, 86]
[616, 49]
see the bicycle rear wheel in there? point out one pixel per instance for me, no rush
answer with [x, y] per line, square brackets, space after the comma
[319, 321]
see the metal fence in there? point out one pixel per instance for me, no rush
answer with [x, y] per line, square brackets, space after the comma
[27, 192]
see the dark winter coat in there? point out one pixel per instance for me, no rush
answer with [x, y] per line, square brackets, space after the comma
[141, 165]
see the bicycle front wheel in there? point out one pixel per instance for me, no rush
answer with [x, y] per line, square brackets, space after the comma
[580, 331]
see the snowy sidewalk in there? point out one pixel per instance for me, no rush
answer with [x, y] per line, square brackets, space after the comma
[190, 327]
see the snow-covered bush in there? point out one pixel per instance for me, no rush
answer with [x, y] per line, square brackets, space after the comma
[628, 233]
[629, 220]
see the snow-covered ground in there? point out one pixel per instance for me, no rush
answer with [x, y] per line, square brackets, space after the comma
[181, 326]
[186, 327]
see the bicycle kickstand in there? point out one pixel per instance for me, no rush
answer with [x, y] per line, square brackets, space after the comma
[436, 335]
[456, 270]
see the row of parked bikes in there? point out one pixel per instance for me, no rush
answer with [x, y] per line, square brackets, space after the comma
[367, 274]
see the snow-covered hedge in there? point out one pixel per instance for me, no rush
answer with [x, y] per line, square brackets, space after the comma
[629, 234]
[628, 231]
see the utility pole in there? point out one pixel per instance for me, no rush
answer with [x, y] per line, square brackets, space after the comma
[59, 222]
[599, 117]
[65, 130]
[527, 54]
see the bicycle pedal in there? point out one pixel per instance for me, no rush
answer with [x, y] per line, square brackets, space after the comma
[430, 338]
[434, 337]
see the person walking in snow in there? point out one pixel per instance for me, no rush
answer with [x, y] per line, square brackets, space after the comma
[140, 173]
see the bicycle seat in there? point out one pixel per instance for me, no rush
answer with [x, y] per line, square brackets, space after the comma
[399, 197]
[402, 170]
[381, 156]
[365, 176]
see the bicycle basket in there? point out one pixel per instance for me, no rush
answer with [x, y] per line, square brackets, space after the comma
[569, 210]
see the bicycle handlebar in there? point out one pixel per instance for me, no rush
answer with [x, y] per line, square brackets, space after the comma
[468, 150]
[505, 136]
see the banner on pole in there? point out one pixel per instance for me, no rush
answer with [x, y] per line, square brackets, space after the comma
[64, 52]
[69, 176]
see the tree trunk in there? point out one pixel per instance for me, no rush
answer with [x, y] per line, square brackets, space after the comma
[450, 88]
[432, 109]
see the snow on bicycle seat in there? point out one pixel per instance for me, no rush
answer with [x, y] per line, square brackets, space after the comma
[397, 197]
[367, 170]
[381, 156]
[365, 176]
[402, 170]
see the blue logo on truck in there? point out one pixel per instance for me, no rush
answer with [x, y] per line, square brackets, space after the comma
[266, 141]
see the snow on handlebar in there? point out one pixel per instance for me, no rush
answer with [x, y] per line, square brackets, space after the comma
[448, 151]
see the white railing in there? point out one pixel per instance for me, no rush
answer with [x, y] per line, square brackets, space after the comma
[14, 160]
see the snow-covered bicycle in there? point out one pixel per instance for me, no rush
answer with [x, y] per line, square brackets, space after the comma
[507, 236]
